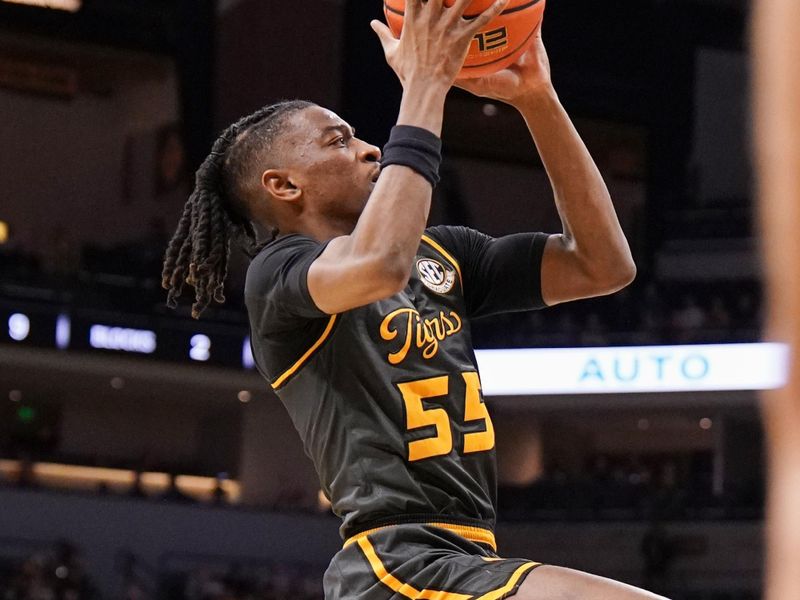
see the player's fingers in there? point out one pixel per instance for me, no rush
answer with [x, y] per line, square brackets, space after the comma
[486, 16]
[432, 9]
[384, 33]
[460, 7]
[412, 9]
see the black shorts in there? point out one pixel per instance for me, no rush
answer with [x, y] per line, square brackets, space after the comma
[425, 561]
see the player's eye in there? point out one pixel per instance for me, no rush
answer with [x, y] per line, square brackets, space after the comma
[339, 141]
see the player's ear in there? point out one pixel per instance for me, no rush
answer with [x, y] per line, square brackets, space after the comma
[279, 184]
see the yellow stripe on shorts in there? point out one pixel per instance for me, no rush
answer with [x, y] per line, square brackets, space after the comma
[499, 592]
[398, 586]
[412, 593]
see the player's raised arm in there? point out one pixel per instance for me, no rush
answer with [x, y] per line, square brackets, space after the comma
[591, 256]
[374, 261]
[776, 42]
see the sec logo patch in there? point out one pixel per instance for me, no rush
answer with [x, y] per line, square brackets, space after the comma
[435, 276]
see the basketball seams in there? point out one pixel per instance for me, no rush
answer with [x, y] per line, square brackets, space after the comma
[508, 11]
[400, 13]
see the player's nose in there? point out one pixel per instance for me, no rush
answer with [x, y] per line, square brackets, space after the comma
[369, 153]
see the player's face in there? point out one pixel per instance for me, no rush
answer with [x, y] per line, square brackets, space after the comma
[335, 170]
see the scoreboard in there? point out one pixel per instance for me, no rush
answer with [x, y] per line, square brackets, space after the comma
[163, 338]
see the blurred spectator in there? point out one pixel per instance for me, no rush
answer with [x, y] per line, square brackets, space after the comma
[567, 325]
[594, 331]
[657, 555]
[218, 495]
[653, 310]
[718, 315]
[173, 493]
[60, 256]
[27, 476]
[171, 178]
[746, 312]
[134, 574]
[148, 250]
[137, 490]
[688, 320]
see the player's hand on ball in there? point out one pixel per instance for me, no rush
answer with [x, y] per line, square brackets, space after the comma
[528, 75]
[434, 42]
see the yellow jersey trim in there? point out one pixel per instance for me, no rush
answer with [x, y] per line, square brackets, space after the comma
[398, 586]
[412, 593]
[436, 246]
[502, 591]
[473, 534]
[296, 366]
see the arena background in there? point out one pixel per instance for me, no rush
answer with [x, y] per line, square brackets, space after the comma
[141, 455]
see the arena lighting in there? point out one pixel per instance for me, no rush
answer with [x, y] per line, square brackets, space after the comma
[65, 5]
[75, 477]
[633, 369]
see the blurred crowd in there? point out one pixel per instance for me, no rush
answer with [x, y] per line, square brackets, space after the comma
[648, 312]
[671, 487]
[203, 578]
[275, 582]
[57, 573]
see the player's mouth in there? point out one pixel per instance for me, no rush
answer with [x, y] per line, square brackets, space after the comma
[376, 175]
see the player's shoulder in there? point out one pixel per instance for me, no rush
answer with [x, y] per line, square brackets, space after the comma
[453, 232]
[283, 247]
[281, 251]
[444, 233]
[456, 239]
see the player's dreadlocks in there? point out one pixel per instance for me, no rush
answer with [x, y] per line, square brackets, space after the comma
[217, 212]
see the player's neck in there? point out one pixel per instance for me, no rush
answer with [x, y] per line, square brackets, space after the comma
[321, 230]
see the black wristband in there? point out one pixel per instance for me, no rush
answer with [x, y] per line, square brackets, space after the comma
[415, 148]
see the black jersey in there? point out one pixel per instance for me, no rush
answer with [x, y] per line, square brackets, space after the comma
[386, 397]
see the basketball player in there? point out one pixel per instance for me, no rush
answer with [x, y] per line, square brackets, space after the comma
[360, 316]
[777, 96]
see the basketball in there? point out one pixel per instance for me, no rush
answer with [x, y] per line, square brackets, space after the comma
[495, 46]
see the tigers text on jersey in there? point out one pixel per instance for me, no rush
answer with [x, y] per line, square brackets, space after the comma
[386, 397]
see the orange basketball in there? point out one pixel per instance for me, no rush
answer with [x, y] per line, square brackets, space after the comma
[496, 45]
